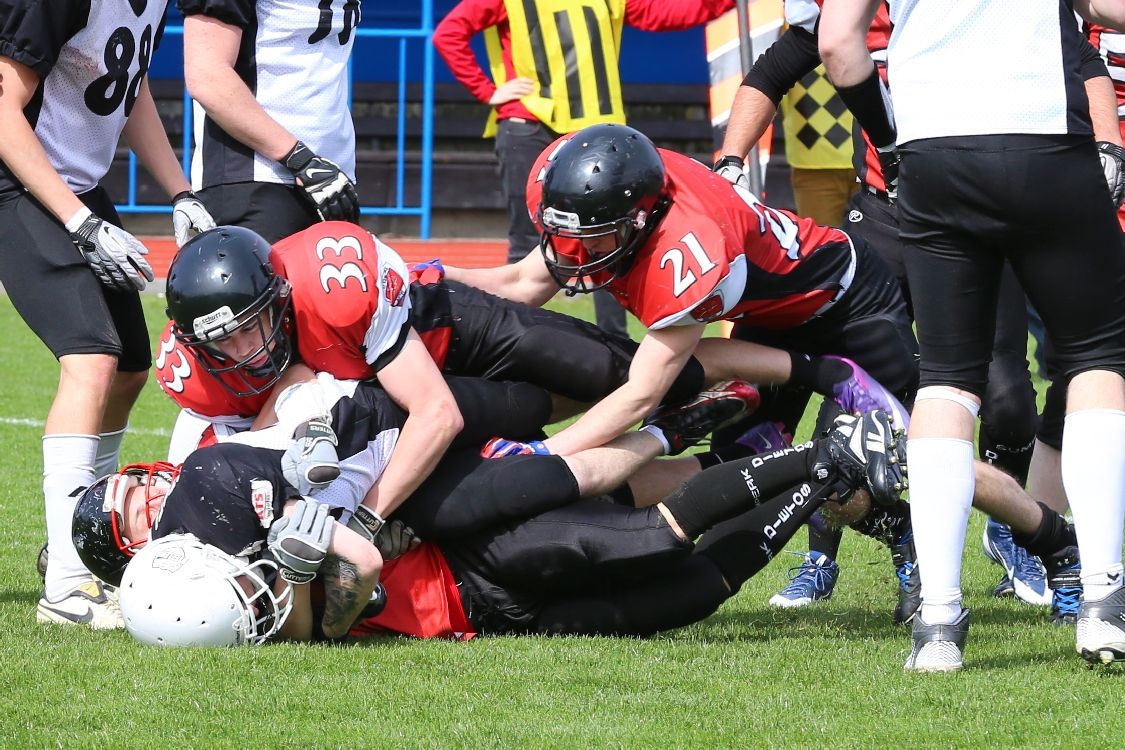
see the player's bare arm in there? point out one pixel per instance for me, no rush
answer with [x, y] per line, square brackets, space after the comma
[843, 33]
[210, 50]
[1105, 12]
[20, 148]
[145, 134]
[528, 281]
[659, 358]
[433, 420]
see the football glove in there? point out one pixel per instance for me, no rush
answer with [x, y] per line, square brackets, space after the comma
[1113, 165]
[889, 159]
[391, 538]
[116, 257]
[427, 272]
[499, 447]
[331, 193]
[189, 217]
[299, 542]
[310, 463]
[733, 170]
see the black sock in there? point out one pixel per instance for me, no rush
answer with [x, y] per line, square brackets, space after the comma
[1053, 534]
[721, 454]
[724, 491]
[818, 373]
[825, 539]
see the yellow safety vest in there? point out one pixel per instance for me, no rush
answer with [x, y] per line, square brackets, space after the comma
[818, 127]
[569, 48]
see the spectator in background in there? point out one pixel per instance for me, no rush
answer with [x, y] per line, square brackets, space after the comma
[551, 77]
[74, 80]
[275, 145]
[818, 147]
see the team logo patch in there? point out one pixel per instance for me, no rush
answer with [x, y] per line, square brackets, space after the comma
[261, 497]
[394, 288]
[709, 309]
[169, 560]
[854, 217]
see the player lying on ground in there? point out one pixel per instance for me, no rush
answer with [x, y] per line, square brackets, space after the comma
[591, 567]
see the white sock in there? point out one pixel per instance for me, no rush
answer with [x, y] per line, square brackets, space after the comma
[109, 452]
[68, 468]
[941, 493]
[1093, 472]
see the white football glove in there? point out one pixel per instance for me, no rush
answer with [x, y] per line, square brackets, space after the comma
[189, 217]
[299, 542]
[116, 257]
[310, 463]
[332, 194]
[1113, 165]
[733, 170]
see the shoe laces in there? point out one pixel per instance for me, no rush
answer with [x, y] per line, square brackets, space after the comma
[1065, 601]
[809, 574]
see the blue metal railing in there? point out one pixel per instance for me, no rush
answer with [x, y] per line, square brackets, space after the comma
[400, 206]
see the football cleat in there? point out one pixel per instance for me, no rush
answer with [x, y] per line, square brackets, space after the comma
[687, 425]
[1101, 629]
[90, 604]
[863, 452]
[811, 581]
[861, 392]
[1024, 570]
[765, 437]
[1003, 587]
[938, 648]
[905, 560]
[1064, 576]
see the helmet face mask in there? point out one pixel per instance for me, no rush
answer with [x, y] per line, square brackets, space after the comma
[179, 591]
[222, 283]
[99, 528]
[605, 181]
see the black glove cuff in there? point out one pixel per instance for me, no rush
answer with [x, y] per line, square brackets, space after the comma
[184, 195]
[1105, 147]
[298, 157]
[728, 161]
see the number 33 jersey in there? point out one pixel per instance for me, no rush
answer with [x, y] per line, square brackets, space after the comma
[91, 57]
[721, 254]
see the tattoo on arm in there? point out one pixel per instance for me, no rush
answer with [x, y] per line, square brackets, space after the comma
[341, 578]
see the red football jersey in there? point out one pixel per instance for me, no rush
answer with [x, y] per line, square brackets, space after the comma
[422, 599]
[350, 299]
[721, 254]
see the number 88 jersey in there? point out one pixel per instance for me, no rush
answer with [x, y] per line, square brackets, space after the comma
[91, 57]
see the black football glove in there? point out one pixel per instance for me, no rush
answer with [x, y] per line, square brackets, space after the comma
[889, 160]
[331, 193]
[1113, 165]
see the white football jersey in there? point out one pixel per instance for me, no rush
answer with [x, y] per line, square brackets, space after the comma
[91, 58]
[294, 58]
[982, 67]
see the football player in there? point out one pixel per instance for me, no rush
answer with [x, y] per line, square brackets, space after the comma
[73, 82]
[593, 567]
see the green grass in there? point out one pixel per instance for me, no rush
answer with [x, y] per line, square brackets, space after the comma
[826, 676]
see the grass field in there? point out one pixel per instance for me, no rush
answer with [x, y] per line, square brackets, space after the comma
[825, 676]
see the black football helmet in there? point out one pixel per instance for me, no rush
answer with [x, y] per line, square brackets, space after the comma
[605, 180]
[220, 282]
[98, 527]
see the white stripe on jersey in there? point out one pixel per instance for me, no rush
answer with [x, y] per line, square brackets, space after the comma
[84, 102]
[978, 67]
[302, 85]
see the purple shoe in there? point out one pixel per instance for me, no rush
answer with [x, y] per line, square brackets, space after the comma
[862, 393]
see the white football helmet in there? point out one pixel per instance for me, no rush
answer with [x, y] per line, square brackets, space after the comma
[178, 591]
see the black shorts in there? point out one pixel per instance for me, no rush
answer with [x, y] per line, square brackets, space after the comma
[498, 339]
[271, 209]
[869, 325]
[57, 294]
[507, 574]
[1040, 201]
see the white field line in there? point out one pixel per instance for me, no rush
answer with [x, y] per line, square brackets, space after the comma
[38, 423]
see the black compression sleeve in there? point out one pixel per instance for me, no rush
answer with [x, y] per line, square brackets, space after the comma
[869, 102]
[785, 63]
